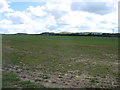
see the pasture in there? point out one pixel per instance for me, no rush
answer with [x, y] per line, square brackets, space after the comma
[60, 61]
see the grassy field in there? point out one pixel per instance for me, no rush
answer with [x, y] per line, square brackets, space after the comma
[61, 61]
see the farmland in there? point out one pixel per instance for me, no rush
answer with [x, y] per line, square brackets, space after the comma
[60, 61]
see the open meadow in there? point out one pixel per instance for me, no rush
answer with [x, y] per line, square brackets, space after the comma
[59, 61]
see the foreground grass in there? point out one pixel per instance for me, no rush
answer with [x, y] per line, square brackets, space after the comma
[94, 58]
[11, 80]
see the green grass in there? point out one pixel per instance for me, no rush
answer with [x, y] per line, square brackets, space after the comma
[49, 47]
[11, 80]
[94, 56]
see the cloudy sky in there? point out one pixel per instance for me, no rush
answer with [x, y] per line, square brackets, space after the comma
[37, 16]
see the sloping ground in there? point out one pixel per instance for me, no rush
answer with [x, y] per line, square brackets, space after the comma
[63, 80]
[62, 63]
[11, 80]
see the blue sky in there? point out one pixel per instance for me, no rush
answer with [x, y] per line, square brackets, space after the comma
[65, 15]
[21, 6]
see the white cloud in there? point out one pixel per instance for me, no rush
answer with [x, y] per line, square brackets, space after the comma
[64, 5]
[22, 21]
[76, 18]
[4, 6]
[37, 11]
[89, 21]
[93, 7]
[18, 17]
[57, 17]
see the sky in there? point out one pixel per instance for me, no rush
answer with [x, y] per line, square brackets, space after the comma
[37, 16]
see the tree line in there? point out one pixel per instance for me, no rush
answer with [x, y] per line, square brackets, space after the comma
[82, 34]
[74, 34]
